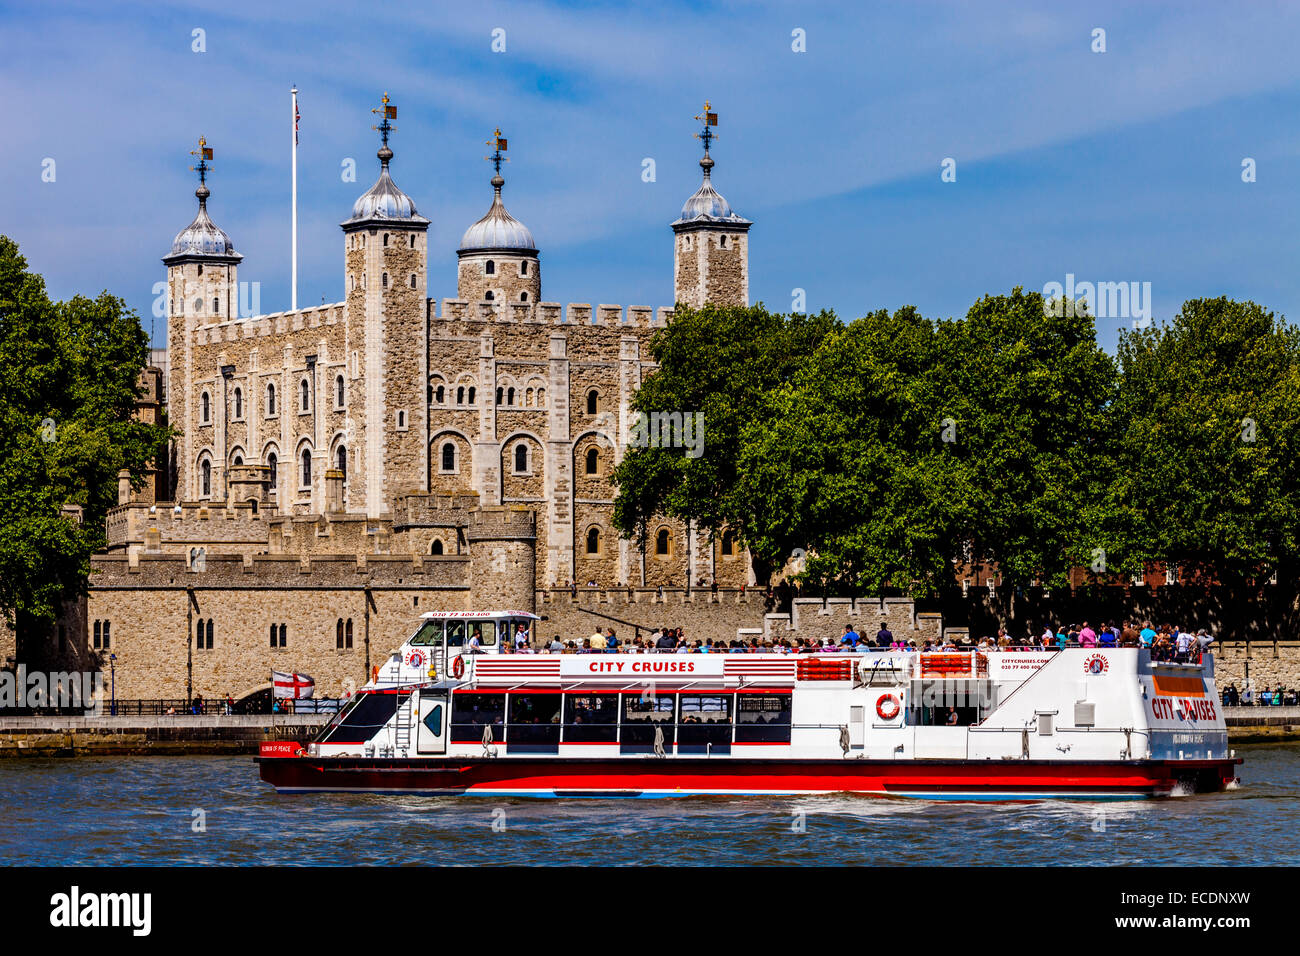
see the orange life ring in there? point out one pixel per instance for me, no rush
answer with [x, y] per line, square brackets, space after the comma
[888, 706]
[458, 668]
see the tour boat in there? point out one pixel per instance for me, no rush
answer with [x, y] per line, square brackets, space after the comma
[451, 713]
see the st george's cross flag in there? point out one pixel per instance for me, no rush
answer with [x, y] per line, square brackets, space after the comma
[291, 685]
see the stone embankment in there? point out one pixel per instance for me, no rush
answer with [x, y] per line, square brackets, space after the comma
[135, 736]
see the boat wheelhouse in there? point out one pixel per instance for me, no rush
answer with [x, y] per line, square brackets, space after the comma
[451, 712]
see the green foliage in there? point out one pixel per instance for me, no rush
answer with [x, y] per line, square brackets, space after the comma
[725, 363]
[1206, 428]
[68, 386]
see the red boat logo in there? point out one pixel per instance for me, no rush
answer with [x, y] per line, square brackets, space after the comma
[415, 659]
[1096, 664]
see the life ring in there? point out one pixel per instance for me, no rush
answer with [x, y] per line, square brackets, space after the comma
[458, 668]
[888, 706]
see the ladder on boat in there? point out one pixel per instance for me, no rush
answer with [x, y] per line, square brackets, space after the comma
[402, 729]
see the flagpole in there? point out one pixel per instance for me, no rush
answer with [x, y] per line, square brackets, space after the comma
[293, 304]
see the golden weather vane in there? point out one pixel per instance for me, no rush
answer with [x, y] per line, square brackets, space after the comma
[204, 153]
[390, 113]
[498, 144]
[709, 119]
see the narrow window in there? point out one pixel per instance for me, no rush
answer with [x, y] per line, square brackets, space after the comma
[593, 399]
[523, 267]
[662, 541]
[271, 460]
[728, 544]
[438, 394]
[239, 404]
[198, 634]
[488, 295]
[510, 396]
[471, 395]
[270, 399]
[343, 461]
[205, 470]
[108, 639]
[412, 280]
[490, 268]
[97, 632]
[412, 237]
[338, 635]
[521, 457]
[273, 635]
[209, 644]
[501, 392]
[284, 635]
[347, 635]
[205, 409]
[216, 306]
[449, 456]
[239, 460]
[339, 391]
[305, 394]
[593, 541]
[385, 238]
[460, 395]
[306, 468]
[385, 280]
[593, 461]
[436, 547]
[541, 396]
[401, 419]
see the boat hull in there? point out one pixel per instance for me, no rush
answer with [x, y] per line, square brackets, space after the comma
[681, 777]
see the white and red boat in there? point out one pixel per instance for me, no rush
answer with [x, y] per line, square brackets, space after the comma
[449, 713]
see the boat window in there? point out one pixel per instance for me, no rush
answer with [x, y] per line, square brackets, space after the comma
[591, 718]
[763, 718]
[429, 635]
[644, 713]
[362, 721]
[455, 633]
[433, 719]
[704, 720]
[485, 631]
[470, 713]
[534, 719]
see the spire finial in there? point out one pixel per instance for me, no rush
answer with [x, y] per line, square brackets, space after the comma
[389, 112]
[204, 153]
[706, 135]
[498, 144]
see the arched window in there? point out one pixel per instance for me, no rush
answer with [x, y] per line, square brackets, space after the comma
[284, 635]
[593, 541]
[238, 459]
[662, 541]
[338, 635]
[343, 461]
[728, 544]
[541, 397]
[593, 461]
[97, 632]
[275, 470]
[521, 457]
[340, 392]
[501, 394]
[593, 401]
[205, 408]
[401, 418]
[523, 296]
[270, 399]
[273, 635]
[510, 396]
[489, 295]
[460, 395]
[216, 306]
[439, 394]
[449, 456]
[471, 395]
[306, 468]
[722, 243]
[385, 238]
[205, 478]
[412, 237]
[304, 391]
[198, 634]
[347, 634]
[412, 280]
[239, 404]
[523, 267]
[436, 546]
[108, 637]
[209, 634]
[490, 268]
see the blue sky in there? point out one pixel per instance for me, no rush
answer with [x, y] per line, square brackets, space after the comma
[1115, 166]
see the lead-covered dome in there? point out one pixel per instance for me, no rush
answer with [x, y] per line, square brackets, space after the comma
[202, 237]
[706, 204]
[383, 201]
[498, 231]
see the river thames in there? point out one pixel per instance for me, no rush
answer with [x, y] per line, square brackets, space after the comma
[170, 811]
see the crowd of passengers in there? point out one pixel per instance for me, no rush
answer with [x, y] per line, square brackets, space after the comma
[1169, 642]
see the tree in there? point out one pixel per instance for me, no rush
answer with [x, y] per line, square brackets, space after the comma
[69, 380]
[1025, 386]
[851, 466]
[723, 363]
[1206, 430]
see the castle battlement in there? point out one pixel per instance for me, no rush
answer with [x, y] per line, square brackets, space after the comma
[274, 571]
[272, 323]
[550, 313]
[514, 522]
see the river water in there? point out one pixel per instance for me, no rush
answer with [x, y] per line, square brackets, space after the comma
[215, 810]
